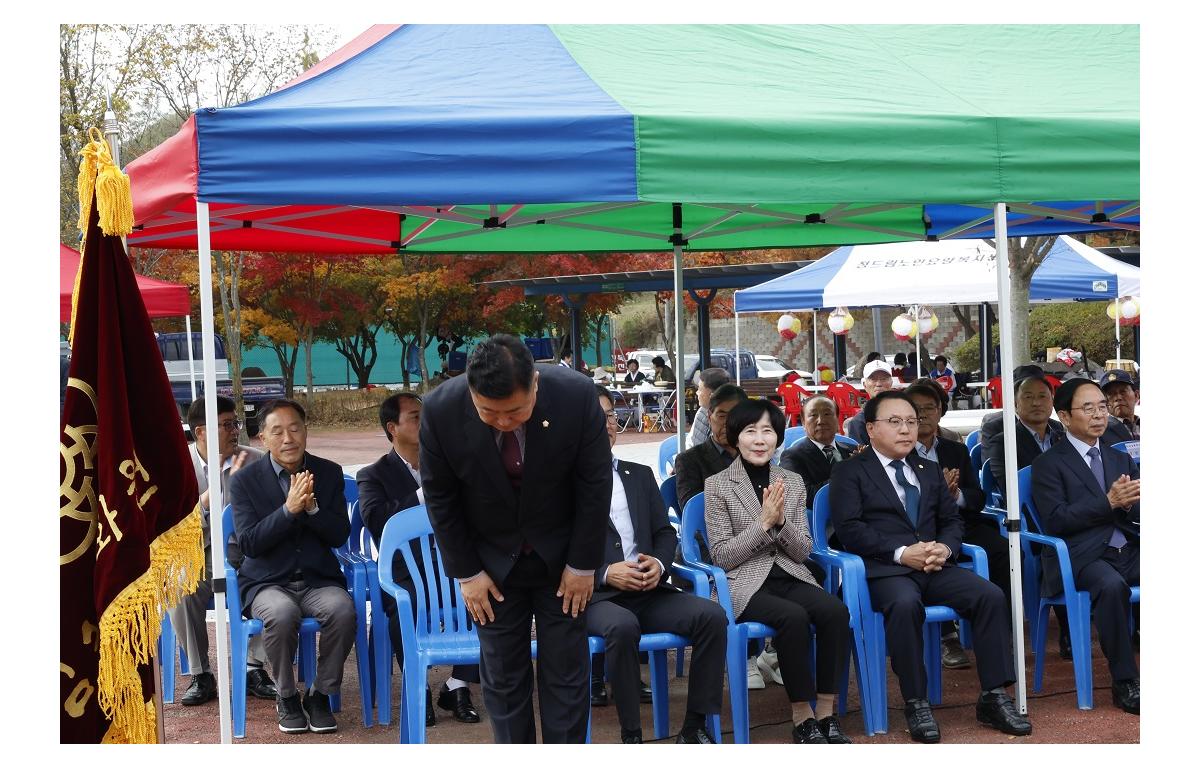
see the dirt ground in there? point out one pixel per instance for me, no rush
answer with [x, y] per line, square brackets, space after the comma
[1055, 718]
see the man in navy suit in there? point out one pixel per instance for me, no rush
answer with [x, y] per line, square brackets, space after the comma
[517, 476]
[1035, 430]
[289, 512]
[895, 511]
[386, 487]
[813, 457]
[632, 597]
[1088, 494]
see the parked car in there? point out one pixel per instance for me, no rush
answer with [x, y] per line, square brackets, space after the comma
[723, 358]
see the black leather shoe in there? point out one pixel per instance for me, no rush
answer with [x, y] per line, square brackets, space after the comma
[1127, 694]
[694, 736]
[631, 738]
[808, 732]
[202, 689]
[644, 693]
[458, 702]
[921, 725]
[953, 655]
[430, 714]
[831, 729]
[259, 684]
[599, 693]
[999, 711]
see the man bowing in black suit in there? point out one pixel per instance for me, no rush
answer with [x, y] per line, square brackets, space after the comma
[1089, 495]
[632, 597]
[386, 487]
[517, 475]
[895, 511]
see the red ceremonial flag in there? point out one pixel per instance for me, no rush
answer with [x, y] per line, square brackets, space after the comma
[129, 523]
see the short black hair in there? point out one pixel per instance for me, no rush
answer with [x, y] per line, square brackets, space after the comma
[499, 366]
[930, 388]
[872, 406]
[713, 378]
[602, 391]
[281, 402]
[389, 409]
[749, 412]
[724, 393]
[873, 356]
[1066, 392]
[898, 361]
[195, 414]
[658, 360]
[1032, 377]
[633, 362]
[941, 359]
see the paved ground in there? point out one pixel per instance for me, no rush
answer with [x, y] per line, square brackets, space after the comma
[1053, 713]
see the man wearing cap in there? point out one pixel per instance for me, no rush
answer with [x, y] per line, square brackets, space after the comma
[1088, 494]
[1036, 431]
[876, 378]
[1122, 397]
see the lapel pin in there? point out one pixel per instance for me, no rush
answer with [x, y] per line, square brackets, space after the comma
[627, 471]
[920, 466]
[545, 423]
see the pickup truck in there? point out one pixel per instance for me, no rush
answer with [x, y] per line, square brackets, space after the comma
[256, 390]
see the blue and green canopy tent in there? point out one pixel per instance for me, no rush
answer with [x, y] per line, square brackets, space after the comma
[460, 139]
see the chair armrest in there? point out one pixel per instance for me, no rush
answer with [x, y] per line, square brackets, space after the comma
[994, 514]
[720, 583]
[978, 556]
[696, 578]
[1060, 549]
[853, 577]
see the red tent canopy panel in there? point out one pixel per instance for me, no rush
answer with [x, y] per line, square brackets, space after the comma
[162, 299]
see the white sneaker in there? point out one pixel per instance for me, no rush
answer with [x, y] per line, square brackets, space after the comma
[754, 678]
[768, 664]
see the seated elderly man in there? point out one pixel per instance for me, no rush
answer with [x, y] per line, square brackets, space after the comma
[876, 378]
[894, 509]
[1036, 431]
[289, 512]
[1089, 495]
[632, 597]
[707, 381]
[1122, 398]
[814, 456]
[703, 460]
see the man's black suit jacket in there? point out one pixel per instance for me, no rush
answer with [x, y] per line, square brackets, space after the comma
[806, 459]
[953, 455]
[479, 521]
[385, 488]
[1116, 432]
[277, 543]
[1071, 506]
[992, 438]
[694, 466]
[870, 520]
[652, 532]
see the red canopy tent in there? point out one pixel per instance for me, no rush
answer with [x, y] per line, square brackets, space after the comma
[162, 299]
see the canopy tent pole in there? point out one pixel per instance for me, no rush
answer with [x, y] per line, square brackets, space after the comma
[1007, 360]
[916, 310]
[813, 369]
[737, 346]
[187, 321]
[877, 322]
[1117, 329]
[216, 505]
[680, 404]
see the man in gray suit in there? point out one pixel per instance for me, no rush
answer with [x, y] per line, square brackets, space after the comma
[188, 618]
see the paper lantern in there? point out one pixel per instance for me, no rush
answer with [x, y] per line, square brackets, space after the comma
[927, 321]
[841, 321]
[904, 327]
[1126, 310]
[788, 326]
[825, 374]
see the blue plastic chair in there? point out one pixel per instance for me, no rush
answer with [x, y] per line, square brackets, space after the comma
[973, 439]
[1078, 603]
[667, 451]
[240, 630]
[872, 622]
[976, 452]
[695, 529]
[1124, 448]
[166, 656]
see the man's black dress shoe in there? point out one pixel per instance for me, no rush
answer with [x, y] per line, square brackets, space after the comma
[644, 693]
[808, 732]
[1127, 694]
[694, 736]
[634, 737]
[599, 693]
[458, 702]
[953, 655]
[259, 684]
[430, 715]
[999, 711]
[921, 725]
[831, 729]
[202, 689]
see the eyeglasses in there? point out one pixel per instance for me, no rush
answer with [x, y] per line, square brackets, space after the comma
[1091, 409]
[610, 415]
[896, 422]
[230, 425]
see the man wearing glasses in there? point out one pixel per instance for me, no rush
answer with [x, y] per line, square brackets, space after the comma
[1089, 495]
[894, 510]
[188, 618]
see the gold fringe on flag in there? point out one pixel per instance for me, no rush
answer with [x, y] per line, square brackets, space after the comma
[100, 174]
[131, 624]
